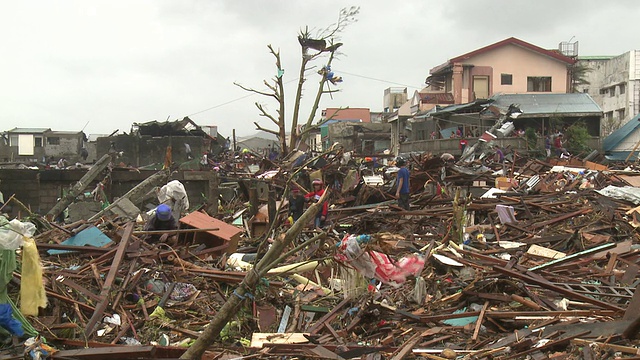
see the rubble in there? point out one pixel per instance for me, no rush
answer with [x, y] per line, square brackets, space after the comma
[527, 258]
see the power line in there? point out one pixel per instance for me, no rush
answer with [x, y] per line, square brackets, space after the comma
[296, 79]
[242, 97]
[381, 80]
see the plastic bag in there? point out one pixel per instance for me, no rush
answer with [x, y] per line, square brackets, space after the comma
[174, 195]
[374, 264]
[12, 233]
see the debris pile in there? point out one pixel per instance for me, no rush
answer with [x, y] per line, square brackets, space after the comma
[510, 259]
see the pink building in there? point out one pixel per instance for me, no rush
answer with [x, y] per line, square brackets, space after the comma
[509, 66]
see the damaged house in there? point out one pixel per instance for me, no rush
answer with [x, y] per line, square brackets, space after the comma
[545, 113]
[35, 145]
[149, 143]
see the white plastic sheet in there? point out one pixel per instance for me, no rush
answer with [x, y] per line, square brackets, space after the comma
[174, 195]
[12, 234]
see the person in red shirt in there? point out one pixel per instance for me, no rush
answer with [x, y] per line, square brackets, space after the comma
[463, 145]
[560, 150]
[314, 196]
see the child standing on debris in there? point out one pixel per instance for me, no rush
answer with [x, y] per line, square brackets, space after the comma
[296, 204]
[314, 196]
[402, 182]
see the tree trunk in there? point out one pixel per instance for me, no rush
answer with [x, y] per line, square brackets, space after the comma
[248, 284]
[82, 184]
[296, 106]
[138, 193]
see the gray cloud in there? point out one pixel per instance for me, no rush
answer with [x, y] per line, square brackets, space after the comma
[118, 62]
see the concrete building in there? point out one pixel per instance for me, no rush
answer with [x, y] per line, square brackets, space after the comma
[152, 142]
[614, 84]
[362, 138]
[38, 145]
[394, 97]
[318, 139]
[508, 66]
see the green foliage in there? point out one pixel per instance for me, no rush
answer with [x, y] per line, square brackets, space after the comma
[577, 137]
[556, 123]
[532, 138]
[579, 74]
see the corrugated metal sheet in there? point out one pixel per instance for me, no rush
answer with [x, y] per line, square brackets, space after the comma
[28, 130]
[610, 142]
[200, 220]
[543, 104]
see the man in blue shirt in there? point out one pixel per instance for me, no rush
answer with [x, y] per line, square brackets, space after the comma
[402, 191]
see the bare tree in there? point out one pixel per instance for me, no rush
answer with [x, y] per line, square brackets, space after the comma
[324, 43]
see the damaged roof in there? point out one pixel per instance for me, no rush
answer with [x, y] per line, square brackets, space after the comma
[182, 127]
[540, 105]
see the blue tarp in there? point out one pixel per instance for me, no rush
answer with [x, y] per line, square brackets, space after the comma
[91, 236]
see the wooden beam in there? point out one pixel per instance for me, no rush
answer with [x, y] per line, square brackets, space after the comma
[109, 280]
[558, 289]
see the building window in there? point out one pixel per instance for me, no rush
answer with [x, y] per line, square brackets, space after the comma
[621, 114]
[37, 141]
[506, 79]
[585, 90]
[53, 141]
[612, 91]
[539, 83]
[622, 89]
[13, 140]
[608, 115]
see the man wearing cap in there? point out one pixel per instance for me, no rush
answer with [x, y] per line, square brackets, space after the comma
[314, 196]
[162, 220]
[402, 182]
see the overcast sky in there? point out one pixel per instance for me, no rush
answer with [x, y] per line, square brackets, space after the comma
[108, 64]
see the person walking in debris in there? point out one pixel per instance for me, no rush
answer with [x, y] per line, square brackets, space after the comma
[463, 145]
[296, 204]
[402, 182]
[62, 163]
[314, 196]
[547, 145]
[559, 147]
[162, 220]
[499, 155]
[187, 150]
[84, 153]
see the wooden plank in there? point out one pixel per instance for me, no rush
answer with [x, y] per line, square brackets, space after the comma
[258, 340]
[476, 331]
[107, 353]
[558, 289]
[407, 347]
[109, 280]
[634, 305]
[327, 317]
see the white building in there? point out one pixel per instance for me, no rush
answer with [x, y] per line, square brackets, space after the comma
[614, 85]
